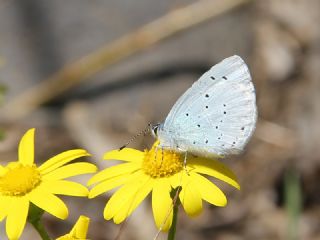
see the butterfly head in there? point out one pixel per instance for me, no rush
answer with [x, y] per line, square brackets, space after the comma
[154, 128]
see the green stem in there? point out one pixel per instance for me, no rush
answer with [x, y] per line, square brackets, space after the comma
[41, 230]
[34, 217]
[176, 203]
[293, 202]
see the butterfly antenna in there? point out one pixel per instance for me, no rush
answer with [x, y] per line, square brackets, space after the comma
[143, 132]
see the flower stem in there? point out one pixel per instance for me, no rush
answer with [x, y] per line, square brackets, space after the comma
[34, 217]
[41, 230]
[176, 203]
[293, 201]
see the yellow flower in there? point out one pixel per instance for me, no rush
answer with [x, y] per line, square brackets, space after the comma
[159, 171]
[79, 230]
[23, 182]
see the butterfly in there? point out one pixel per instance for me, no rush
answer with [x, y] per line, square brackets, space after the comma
[216, 116]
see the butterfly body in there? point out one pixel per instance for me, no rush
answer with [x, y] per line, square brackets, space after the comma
[216, 115]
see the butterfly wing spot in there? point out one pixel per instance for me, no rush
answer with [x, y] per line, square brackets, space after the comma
[224, 112]
[194, 142]
[242, 128]
[207, 141]
[187, 114]
[198, 125]
[224, 105]
[207, 95]
[224, 77]
[207, 107]
[213, 78]
[216, 127]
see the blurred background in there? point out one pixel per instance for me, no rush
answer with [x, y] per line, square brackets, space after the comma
[92, 74]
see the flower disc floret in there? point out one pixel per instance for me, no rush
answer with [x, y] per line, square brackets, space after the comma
[19, 179]
[159, 163]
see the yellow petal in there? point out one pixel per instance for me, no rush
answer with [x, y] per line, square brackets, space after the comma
[162, 204]
[126, 154]
[26, 148]
[114, 171]
[122, 196]
[5, 203]
[190, 196]
[61, 159]
[144, 187]
[107, 185]
[176, 180]
[213, 168]
[65, 188]
[70, 170]
[17, 216]
[209, 191]
[48, 202]
[80, 229]
[2, 170]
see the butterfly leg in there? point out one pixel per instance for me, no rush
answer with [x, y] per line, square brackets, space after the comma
[161, 157]
[185, 162]
[156, 153]
[162, 148]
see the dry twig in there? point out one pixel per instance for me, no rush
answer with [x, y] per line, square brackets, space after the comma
[78, 71]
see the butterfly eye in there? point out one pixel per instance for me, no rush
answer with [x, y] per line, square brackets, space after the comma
[154, 129]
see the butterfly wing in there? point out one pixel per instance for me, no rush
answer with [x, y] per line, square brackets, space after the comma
[216, 115]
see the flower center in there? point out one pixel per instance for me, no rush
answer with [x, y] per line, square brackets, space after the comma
[159, 163]
[18, 180]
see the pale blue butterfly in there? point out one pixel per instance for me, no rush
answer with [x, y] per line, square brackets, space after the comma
[215, 116]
